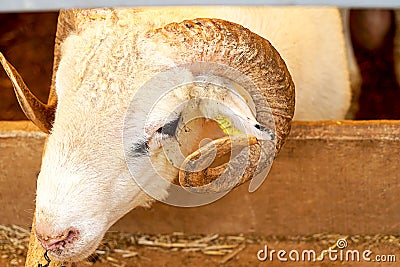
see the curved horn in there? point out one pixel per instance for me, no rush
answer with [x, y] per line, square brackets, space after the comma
[40, 114]
[219, 41]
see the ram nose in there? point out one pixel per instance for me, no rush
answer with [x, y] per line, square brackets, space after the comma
[55, 240]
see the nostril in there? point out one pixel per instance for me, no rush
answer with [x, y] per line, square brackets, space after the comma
[52, 242]
[72, 234]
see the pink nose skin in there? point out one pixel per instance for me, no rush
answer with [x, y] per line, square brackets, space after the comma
[57, 241]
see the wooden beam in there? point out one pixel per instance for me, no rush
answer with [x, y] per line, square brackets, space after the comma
[335, 176]
[330, 176]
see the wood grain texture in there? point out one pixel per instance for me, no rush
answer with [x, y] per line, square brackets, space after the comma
[330, 176]
[334, 176]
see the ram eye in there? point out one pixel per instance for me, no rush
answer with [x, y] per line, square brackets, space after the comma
[160, 130]
[170, 127]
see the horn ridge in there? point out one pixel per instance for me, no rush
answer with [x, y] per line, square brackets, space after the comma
[42, 115]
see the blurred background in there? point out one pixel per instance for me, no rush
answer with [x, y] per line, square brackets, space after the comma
[27, 40]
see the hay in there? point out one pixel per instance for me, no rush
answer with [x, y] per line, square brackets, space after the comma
[117, 247]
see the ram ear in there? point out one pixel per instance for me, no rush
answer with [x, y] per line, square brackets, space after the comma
[42, 115]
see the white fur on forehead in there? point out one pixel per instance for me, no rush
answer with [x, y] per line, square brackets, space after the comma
[112, 60]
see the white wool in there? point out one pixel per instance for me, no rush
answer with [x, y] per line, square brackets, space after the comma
[84, 181]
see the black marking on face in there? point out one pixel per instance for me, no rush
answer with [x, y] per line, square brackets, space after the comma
[265, 130]
[140, 149]
[170, 127]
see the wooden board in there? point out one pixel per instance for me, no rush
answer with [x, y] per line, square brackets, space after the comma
[338, 177]
[330, 177]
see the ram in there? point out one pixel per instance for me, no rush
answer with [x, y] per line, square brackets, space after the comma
[111, 108]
